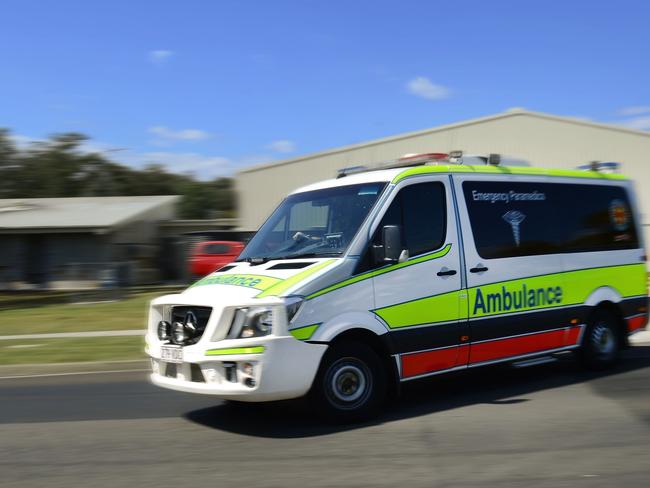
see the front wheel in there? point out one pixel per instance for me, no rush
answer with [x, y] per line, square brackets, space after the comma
[601, 344]
[350, 384]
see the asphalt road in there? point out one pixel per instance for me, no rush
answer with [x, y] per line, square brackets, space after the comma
[549, 425]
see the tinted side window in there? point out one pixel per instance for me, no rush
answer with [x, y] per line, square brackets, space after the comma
[423, 217]
[513, 219]
[600, 219]
[523, 219]
[421, 212]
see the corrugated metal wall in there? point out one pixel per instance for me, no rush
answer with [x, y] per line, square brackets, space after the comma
[546, 141]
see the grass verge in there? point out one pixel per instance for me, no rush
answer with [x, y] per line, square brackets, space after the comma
[71, 350]
[126, 314]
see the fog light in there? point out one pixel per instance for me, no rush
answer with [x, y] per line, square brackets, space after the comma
[248, 369]
[250, 382]
[164, 330]
[178, 331]
[211, 374]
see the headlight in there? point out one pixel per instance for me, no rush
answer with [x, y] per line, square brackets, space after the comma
[164, 330]
[251, 322]
[178, 332]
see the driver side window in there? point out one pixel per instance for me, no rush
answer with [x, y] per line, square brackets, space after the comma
[421, 212]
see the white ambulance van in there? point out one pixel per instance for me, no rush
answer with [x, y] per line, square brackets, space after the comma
[417, 268]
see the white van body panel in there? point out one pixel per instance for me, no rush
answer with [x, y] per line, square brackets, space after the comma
[603, 294]
[348, 321]
[356, 298]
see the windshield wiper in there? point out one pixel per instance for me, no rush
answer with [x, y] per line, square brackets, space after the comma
[257, 260]
[310, 255]
[265, 259]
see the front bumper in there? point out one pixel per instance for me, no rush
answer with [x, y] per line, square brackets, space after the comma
[284, 369]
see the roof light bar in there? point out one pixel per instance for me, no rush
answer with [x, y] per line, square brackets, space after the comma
[350, 170]
[453, 157]
[423, 158]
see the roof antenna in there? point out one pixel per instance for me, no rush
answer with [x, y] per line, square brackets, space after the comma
[494, 159]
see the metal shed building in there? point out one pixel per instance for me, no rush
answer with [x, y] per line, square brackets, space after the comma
[53, 241]
[544, 140]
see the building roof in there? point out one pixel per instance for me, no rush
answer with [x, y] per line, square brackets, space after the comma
[76, 213]
[514, 112]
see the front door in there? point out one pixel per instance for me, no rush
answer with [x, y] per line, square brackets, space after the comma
[421, 299]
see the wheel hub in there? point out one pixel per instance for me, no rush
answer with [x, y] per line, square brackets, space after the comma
[348, 382]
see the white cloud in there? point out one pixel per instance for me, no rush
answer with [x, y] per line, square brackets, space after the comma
[282, 146]
[23, 142]
[160, 56]
[254, 160]
[423, 87]
[199, 165]
[640, 123]
[635, 110]
[165, 135]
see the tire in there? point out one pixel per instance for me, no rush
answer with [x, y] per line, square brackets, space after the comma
[350, 384]
[601, 344]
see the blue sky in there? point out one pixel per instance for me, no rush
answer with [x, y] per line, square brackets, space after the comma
[212, 86]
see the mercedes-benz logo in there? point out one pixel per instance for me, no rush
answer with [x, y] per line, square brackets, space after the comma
[190, 323]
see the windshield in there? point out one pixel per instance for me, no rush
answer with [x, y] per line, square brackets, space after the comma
[314, 223]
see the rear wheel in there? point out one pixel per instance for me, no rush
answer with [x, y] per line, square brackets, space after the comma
[601, 344]
[350, 384]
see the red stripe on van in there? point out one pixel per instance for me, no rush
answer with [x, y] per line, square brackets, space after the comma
[636, 323]
[429, 361]
[572, 336]
[518, 346]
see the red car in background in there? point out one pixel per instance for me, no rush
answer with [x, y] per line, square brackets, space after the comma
[210, 256]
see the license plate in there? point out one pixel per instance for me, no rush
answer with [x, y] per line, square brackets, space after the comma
[171, 354]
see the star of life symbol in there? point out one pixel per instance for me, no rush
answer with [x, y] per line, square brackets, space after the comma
[514, 218]
[618, 215]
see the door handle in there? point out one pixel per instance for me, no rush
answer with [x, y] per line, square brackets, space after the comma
[478, 269]
[446, 272]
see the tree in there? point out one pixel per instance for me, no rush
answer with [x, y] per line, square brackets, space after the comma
[9, 163]
[59, 167]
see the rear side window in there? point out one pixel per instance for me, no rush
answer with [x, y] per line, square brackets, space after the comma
[522, 219]
[600, 220]
[420, 210]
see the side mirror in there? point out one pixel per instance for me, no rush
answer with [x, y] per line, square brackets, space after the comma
[390, 250]
[392, 240]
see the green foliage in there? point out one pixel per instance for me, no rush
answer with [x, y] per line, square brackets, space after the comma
[58, 168]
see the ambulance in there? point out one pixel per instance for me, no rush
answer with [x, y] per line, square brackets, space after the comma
[426, 265]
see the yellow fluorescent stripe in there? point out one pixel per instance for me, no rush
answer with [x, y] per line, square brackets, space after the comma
[355, 279]
[576, 286]
[259, 282]
[505, 170]
[304, 333]
[443, 307]
[284, 285]
[235, 350]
